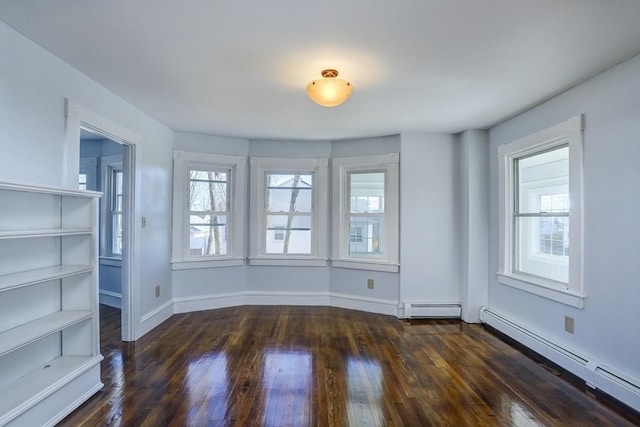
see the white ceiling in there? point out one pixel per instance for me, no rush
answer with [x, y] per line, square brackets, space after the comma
[240, 68]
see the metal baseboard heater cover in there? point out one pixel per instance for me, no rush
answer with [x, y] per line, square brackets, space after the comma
[415, 310]
[595, 374]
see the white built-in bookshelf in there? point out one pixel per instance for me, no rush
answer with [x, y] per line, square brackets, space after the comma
[49, 337]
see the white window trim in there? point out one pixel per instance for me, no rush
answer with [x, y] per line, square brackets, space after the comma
[182, 162]
[570, 132]
[107, 164]
[341, 166]
[263, 165]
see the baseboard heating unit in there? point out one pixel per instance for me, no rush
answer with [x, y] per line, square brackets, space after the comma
[596, 375]
[414, 310]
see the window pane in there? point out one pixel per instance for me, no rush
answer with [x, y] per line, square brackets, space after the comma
[208, 235]
[288, 234]
[118, 203]
[208, 191]
[117, 178]
[366, 192]
[542, 247]
[82, 181]
[289, 193]
[547, 174]
[365, 236]
[116, 234]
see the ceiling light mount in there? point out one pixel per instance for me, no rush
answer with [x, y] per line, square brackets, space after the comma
[329, 73]
[329, 91]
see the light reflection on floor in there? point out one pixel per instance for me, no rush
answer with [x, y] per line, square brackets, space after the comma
[364, 384]
[207, 381]
[518, 413]
[287, 382]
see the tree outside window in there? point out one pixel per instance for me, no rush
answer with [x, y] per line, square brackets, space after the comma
[208, 212]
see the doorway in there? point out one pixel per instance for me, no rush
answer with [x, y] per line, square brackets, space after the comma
[102, 168]
[78, 119]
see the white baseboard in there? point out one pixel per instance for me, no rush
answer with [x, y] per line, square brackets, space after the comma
[287, 298]
[323, 299]
[417, 310]
[155, 317]
[112, 299]
[208, 302]
[370, 305]
[596, 375]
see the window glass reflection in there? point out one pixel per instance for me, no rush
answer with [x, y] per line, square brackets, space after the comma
[364, 384]
[287, 381]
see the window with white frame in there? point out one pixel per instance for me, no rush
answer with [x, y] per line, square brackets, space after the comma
[208, 210]
[115, 212]
[541, 215]
[365, 219]
[111, 206]
[288, 214]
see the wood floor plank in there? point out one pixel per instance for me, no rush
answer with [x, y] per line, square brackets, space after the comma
[321, 366]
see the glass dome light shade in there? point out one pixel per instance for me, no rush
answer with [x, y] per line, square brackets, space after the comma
[329, 91]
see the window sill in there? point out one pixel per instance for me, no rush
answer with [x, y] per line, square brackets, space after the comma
[365, 265]
[543, 288]
[289, 261]
[206, 263]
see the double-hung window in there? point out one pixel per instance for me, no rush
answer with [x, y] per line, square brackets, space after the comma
[288, 216]
[365, 206]
[115, 212]
[111, 206]
[540, 223]
[208, 212]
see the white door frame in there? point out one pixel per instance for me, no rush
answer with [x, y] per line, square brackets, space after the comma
[78, 117]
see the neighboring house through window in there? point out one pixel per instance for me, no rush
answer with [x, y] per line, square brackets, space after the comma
[541, 215]
[288, 213]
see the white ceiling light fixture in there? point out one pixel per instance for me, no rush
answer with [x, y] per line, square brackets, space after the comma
[329, 91]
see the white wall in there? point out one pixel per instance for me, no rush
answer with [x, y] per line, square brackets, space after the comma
[429, 218]
[33, 88]
[474, 223]
[209, 284]
[608, 328]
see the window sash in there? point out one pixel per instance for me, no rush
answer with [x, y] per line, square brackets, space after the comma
[223, 239]
[114, 244]
[273, 215]
[289, 230]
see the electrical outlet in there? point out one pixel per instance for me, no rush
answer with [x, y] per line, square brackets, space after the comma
[568, 324]
[157, 291]
[370, 283]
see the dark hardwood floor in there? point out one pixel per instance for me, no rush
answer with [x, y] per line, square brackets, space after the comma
[319, 366]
